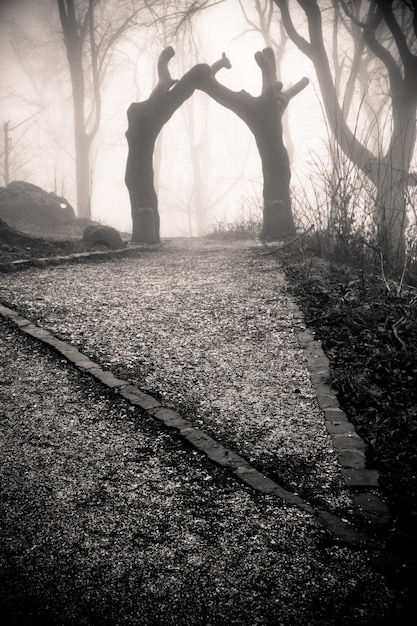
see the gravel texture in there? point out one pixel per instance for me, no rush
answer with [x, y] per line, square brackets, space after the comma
[107, 519]
[208, 329]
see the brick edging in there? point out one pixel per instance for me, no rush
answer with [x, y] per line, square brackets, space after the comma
[363, 483]
[75, 257]
[197, 438]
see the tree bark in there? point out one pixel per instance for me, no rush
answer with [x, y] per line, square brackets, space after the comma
[263, 115]
[74, 46]
[388, 172]
[145, 120]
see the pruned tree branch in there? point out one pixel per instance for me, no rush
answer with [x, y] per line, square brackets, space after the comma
[165, 82]
[295, 89]
[266, 61]
[218, 65]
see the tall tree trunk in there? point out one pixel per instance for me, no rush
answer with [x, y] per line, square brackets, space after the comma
[263, 115]
[7, 146]
[391, 180]
[74, 46]
[145, 120]
[278, 221]
[141, 136]
[82, 172]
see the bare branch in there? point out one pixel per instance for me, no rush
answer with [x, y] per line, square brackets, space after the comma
[299, 41]
[165, 82]
[398, 35]
[295, 89]
[218, 65]
[266, 61]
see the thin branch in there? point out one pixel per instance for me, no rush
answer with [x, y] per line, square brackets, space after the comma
[398, 35]
[94, 69]
[299, 41]
[221, 63]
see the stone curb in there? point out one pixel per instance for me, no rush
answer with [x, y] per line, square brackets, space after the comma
[362, 483]
[76, 257]
[197, 438]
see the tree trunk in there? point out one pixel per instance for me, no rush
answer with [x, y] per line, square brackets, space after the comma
[391, 180]
[82, 172]
[7, 146]
[263, 115]
[141, 136]
[278, 221]
[145, 120]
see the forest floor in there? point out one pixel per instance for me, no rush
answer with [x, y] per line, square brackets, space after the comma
[367, 328]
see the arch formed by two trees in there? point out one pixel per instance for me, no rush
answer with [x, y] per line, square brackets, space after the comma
[262, 114]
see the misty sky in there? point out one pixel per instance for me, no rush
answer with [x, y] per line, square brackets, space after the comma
[43, 145]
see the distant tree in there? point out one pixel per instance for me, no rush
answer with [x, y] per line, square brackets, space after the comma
[387, 35]
[91, 29]
[9, 148]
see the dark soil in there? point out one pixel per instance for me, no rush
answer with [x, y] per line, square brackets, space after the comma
[367, 324]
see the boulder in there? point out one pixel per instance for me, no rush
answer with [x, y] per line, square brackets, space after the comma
[104, 235]
[28, 207]
[9, 235]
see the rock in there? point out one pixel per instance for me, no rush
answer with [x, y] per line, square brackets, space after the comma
[28, 207]
[105, 235]
[10, 235]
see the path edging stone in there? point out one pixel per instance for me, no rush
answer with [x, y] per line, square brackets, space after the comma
[75, 257]
[349, 446]
[197, 438]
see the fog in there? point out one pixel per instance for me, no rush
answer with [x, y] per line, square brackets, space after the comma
[36, 99]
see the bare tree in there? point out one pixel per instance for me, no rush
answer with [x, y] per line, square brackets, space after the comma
[381, 23]
[145, 121]
[9, 146]
[90, 33]
[262, 114]
[263, 23]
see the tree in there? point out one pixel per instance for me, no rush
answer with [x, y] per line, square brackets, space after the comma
[262, 114]
[263, 23]
[145, 121]
[8, 146]
[89, 38]
[382, 24]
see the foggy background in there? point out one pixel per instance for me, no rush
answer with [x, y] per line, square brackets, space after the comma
[36, 100]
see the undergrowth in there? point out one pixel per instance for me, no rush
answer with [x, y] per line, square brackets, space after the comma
[367, 324]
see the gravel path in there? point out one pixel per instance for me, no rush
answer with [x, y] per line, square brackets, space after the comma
[209, 330]
[107, 519]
